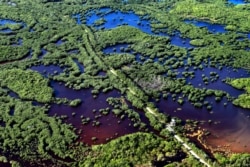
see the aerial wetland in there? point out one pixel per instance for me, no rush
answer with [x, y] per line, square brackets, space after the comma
[124, 83]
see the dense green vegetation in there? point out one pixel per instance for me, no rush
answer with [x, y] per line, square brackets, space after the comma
[244, 99]
[234, 17]
[27, 84]
[29, 136]
[132, 150]
[234, 160]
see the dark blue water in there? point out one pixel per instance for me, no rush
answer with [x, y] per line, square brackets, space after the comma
[213, 28]
[123, 48]
[80, 66]
[59, 42]
[217, 84]
[43, 53]
[179, 41]
[114, 19]
[47, 70]
[12, 93]
[119, 48]
[31, 30]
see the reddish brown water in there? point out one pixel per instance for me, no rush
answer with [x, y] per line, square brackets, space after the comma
[230, 126]
[109, 127]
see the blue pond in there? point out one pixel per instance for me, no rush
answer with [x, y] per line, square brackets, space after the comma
[237, 2]
[118, 18]
[213, 28]
[4, 22]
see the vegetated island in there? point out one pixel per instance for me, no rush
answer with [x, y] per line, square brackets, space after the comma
[124, 83]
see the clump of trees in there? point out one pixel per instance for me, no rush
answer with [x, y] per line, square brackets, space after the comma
[27, 84]
[30, 135]
[241, 83]
[131, 150]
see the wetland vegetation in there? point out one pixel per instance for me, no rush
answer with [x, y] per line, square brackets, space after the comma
[103, 83]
